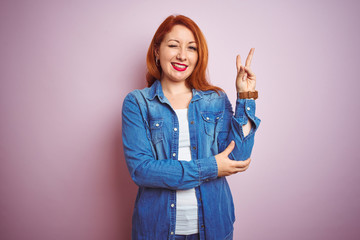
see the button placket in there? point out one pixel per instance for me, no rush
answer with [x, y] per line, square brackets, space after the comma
[176, 132]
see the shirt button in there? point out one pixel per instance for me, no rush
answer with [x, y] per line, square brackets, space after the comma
[207, 118]
[202, 226]
[175, 129]
[172, 233]
[192, 122]
[172, 205]
[174, 154]
[194, 147]
[248, 108]
[157, 124]
[217, 118]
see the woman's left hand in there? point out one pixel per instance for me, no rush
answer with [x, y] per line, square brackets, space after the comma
[245, 79]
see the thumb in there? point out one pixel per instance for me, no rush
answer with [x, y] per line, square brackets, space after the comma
[229, 148]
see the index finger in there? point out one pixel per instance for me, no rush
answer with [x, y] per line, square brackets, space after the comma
[238, 62]
[249, 57]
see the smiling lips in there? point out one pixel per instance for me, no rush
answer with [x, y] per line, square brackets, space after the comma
[179, 67]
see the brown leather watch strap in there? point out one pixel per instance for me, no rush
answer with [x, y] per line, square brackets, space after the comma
[246, 95]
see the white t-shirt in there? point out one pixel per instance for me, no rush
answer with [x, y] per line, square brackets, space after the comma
[186, 201]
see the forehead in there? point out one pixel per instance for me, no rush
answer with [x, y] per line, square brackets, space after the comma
[180, 33]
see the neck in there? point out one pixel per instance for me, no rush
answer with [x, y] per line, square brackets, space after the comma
[174, 88]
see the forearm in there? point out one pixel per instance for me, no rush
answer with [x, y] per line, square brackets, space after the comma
[171, 174]
[242, 127]
[247, 128]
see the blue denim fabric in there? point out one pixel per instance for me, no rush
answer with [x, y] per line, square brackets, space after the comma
[151, 148]
[187, 237]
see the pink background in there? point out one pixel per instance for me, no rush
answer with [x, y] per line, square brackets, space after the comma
[66, 67]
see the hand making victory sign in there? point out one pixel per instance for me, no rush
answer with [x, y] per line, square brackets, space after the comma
[245, 79]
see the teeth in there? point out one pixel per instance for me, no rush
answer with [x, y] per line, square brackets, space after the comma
[179, 66]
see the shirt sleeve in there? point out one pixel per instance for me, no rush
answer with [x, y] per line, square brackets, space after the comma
[244, 111]
[147, 171]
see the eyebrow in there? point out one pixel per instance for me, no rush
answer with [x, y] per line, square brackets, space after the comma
[179, 41]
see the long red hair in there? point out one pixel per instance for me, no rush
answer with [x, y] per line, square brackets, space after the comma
[198, 78]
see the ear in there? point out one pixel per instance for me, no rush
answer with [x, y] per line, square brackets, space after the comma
[157, 52]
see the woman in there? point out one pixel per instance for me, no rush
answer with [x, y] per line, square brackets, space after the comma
[181, 138]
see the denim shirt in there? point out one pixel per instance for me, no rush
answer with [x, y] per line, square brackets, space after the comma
[151, 140]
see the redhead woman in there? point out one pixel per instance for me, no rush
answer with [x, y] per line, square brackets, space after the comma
[181, 138]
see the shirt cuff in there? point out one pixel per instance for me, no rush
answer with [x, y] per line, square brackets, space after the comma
[245, 108]
[208, 168]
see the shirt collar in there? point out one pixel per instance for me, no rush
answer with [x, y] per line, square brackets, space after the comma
[197, 94]
[156, 90]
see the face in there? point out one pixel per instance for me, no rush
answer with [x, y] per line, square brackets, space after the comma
[177, 54]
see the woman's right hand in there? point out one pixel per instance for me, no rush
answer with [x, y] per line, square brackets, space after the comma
[226, 166]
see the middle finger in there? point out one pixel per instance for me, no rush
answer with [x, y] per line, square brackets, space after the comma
[249, 57]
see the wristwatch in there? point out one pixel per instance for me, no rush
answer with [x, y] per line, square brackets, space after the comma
[247, 95]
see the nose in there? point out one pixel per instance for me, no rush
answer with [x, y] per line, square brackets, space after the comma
[181, 54]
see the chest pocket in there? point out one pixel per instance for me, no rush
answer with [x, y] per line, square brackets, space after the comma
[156, 130]
[212, 122]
